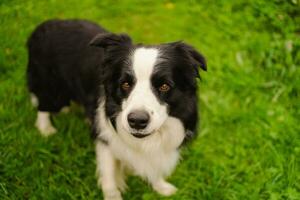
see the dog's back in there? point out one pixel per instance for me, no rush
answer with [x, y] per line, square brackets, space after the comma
[60, 58]
[62, 66]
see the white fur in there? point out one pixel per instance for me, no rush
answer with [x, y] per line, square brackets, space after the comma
[43, 123]
[106, 171]
[153, 157]
[142, 97]
[164, 188]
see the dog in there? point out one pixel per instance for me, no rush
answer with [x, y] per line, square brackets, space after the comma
[141, 99]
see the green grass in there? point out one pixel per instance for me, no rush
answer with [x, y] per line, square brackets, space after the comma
[249, 146]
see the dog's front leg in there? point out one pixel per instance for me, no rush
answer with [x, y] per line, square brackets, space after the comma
[106, 171]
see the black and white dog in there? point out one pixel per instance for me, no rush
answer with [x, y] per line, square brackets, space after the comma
[141, 99]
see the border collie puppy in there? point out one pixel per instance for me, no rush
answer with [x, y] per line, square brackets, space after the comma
[141, 99]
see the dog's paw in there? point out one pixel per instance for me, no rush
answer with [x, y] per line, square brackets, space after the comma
[46, 130]
[112, 195]
[164, 188]
[43, 124]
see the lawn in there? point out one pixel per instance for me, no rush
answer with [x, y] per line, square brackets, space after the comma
[249, 141]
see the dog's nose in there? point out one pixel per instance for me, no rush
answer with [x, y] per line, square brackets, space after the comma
[138, 119]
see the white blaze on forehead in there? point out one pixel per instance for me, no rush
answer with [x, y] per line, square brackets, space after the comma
[142, 97]
[143, 62]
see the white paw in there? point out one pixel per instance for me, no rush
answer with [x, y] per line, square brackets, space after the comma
[112, 195]
[165, 188]
[43, 123]
[46, 130]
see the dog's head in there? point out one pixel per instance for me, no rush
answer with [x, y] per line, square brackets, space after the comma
[145, 85]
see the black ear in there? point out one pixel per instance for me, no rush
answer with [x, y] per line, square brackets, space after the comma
[105, 40]
[196, 58]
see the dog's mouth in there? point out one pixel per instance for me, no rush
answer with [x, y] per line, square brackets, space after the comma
[139, 135]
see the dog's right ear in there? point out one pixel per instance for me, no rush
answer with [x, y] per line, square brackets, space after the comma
[105, 40]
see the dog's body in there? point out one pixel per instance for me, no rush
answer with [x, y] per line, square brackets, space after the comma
[142, 100]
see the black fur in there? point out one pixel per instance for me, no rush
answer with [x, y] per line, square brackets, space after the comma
[116, 69]
[62, 66]
[179, 68]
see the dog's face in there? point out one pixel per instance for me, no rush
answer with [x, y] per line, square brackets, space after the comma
[145, 85]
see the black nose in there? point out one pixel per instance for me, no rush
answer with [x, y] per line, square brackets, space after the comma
[138, 119]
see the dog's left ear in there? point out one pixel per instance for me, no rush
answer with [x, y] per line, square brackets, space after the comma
[195, 57]
[106, 40]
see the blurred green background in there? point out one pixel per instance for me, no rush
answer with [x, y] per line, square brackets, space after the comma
[249, 142]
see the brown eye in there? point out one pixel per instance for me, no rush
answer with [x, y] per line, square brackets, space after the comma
[126, 86]
[164, 88]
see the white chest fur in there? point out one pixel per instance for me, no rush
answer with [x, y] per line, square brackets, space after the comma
[152, 157]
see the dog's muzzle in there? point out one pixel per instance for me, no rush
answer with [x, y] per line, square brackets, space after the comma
[138, 120]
